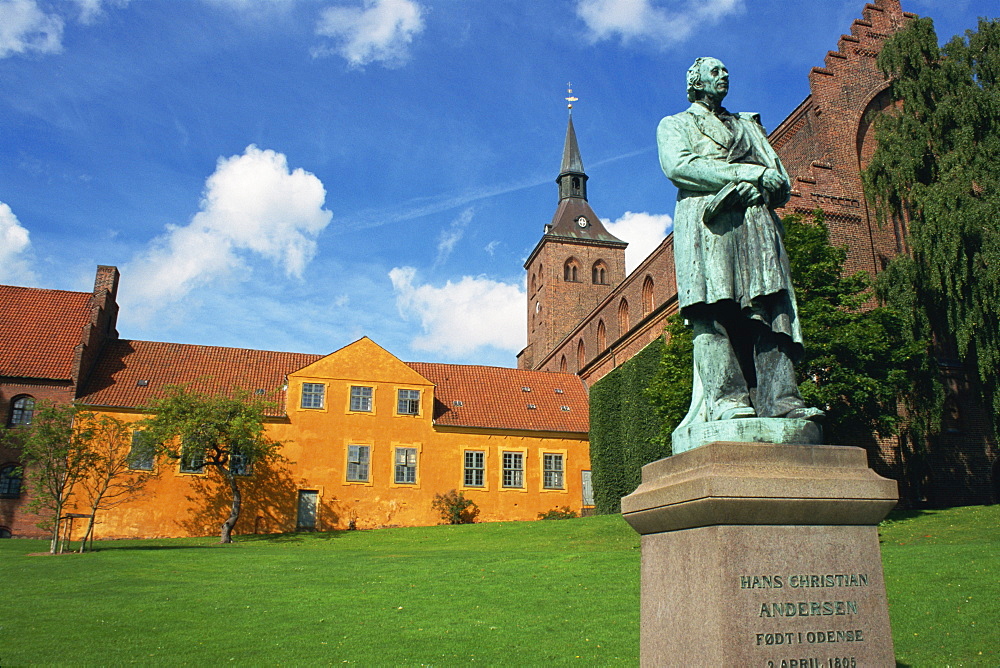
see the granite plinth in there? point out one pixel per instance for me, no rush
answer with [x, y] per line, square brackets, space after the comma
[746, 430]
[762, 554]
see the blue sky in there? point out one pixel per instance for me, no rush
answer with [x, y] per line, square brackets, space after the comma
[294, 174]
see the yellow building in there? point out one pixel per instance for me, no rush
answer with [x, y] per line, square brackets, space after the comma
[367, 440]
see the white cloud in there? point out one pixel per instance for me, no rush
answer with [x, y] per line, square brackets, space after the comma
[648, 20]
[377, 31]
[15, 249]
[451, 236]
[460, 318]
[251, 5]
[252, 205]
[25, 27]
[642, 231]
[91, 10]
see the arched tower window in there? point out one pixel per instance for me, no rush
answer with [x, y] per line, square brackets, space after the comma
[581, 355]
[647, 296]
[21, 410]
[563, 366]
[571, 271]
[599, 273]
[602, 336]
[534, 284]
[623, 323]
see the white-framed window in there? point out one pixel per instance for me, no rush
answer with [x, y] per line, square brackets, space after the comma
[358, 457]
[513, 469]
[313, 395]
[192, 460]
[475, 468]
[142, 452]
[408, 402]
[552, 469]
[406, 466]
[361, 399]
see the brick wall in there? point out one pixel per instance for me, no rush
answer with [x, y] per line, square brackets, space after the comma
[555, 305]
[650, 296]
[13, 512]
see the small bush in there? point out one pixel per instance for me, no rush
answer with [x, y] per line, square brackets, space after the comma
[563, 513]
[455, 508]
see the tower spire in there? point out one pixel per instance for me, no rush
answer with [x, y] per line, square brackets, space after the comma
[572, 179]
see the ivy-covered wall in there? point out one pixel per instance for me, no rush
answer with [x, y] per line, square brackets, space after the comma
[624, 428]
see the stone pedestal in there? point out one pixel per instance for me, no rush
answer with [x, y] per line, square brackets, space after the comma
[756, 554]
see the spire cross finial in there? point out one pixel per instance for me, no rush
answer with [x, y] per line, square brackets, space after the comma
[570, 99]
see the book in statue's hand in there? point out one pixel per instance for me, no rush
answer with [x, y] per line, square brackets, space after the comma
[726, 198]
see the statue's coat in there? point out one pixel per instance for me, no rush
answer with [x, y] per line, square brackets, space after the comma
[738, 255]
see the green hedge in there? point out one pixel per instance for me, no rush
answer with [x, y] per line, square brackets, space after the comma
[624, 428]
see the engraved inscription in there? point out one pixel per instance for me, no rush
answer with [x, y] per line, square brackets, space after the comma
[810, 637]
[780, 610]
[798, 581]
[830, 662]
[808, 608]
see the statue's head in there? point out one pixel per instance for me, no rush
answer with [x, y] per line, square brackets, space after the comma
[707, 77]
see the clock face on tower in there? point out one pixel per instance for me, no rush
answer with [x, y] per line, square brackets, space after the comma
[582, 221]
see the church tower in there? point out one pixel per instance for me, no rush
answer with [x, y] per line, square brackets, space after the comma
[574, 266]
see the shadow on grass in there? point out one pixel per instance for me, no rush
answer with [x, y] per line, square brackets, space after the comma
[107, 547]
[296, 537]
[901, 514]
[274, 538]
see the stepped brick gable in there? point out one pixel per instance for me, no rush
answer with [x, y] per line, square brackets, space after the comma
[828, 140]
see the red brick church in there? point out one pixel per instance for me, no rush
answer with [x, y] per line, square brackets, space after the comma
[586, 316]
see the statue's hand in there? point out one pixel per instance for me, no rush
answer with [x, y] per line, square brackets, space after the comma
[773, 181]
[749, 194]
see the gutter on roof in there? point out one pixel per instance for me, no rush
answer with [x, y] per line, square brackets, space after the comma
[493, 430]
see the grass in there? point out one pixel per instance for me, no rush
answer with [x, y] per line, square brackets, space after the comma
[525, 593]
[942, 573]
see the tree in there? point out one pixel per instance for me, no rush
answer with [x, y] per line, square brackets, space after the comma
[937, 168]
[223, 432]
[110, 480]
[857, 361]
[55, 455]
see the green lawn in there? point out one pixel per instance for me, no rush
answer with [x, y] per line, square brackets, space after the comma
[524, 593]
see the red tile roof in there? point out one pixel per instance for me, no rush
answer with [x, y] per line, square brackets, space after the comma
[39, 330]
[502, 398]
[491, 397]
[130, 373]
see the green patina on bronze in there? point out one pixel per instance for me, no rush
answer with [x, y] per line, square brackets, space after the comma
[733, 279]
